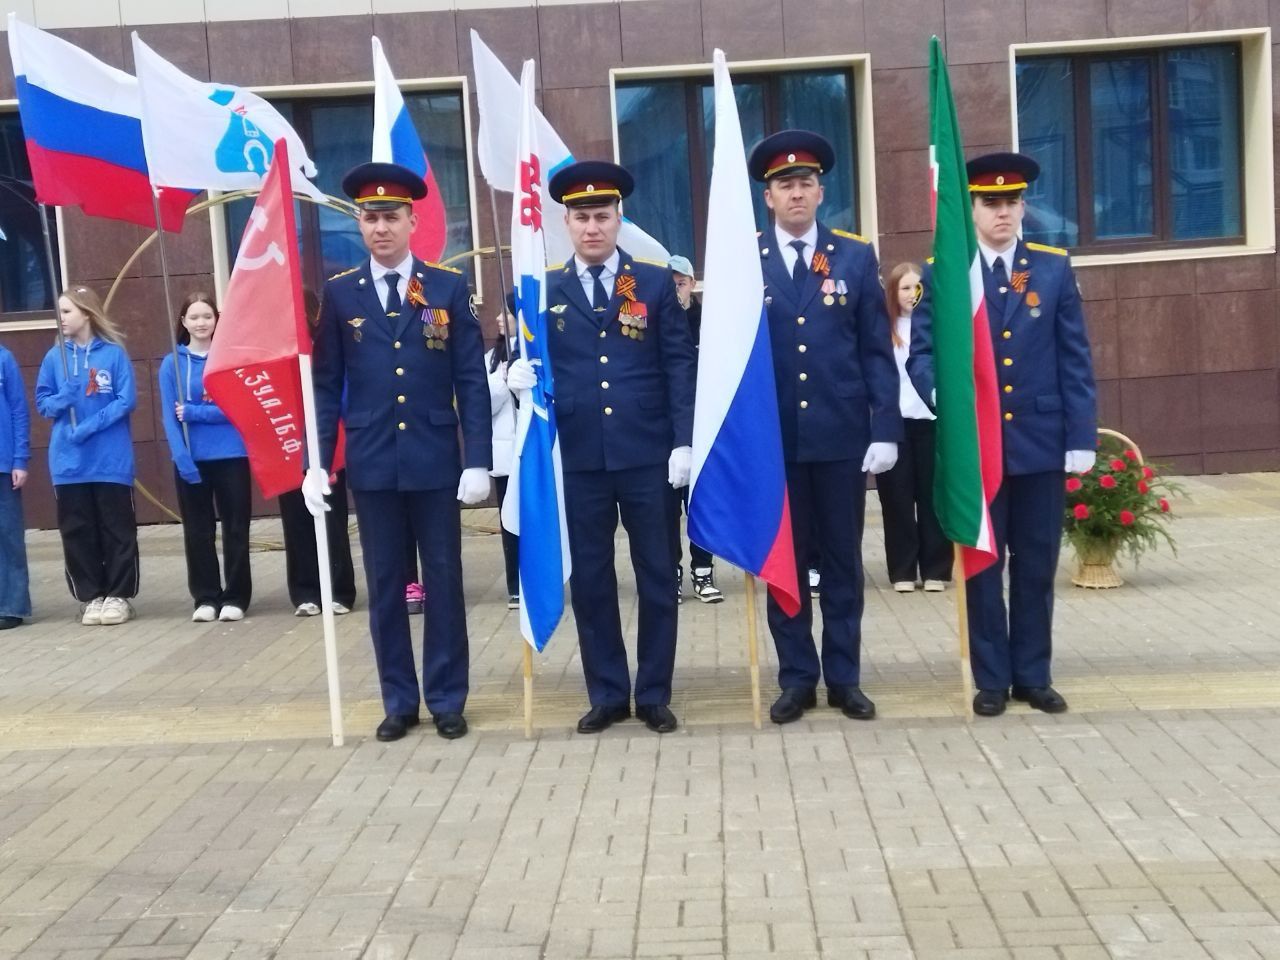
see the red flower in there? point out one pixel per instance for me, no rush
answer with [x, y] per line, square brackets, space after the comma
[1126, 518]
[1142, 487]
[1131, 454]
[1081, 511]
[1073, 484]
[1148, 473]
[1117, 464]
[1164, 505]
[1106, 481]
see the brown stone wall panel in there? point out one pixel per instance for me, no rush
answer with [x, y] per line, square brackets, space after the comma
[1162, 415]
[1228, 14]
[1108, 403]
[979, 31]
[903, 207]
[1235, 273]
[1056, 20]
[1237, 331]
[512, 35]
[581, 116]
[895, 248]
[39, 507]
[182, 44]
[40, 426]
[815, 28]
[743, 29]
[331, 49]
[108, 44]
[901, 102]
[1096, 283]
[661, 32]
[143, 422]
[187, 252]
[582, 42]
[983, 96]
[251, 52]
[6, 70]
[419, 44]
[97, 248]
[898, 33]
[1239, 411]
[152, 469]
[1104, 339]
[1156, 279]
[1242, 461]
[1127, 18]
[1158, 337]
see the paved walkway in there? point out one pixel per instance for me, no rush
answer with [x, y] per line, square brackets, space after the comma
[167, 789]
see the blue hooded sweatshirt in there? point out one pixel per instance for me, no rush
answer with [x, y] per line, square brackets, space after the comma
[213, 437]
[15, 422]
[99, 386]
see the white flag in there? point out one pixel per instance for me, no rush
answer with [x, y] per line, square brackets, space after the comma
[210, 136]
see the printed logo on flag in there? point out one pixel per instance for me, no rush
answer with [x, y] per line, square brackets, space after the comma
[243, 148]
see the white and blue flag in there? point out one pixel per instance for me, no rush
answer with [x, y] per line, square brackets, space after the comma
[534, 505]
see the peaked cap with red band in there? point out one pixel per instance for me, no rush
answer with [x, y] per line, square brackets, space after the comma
[382, 186]
[791, 152]
[590, 183]
[1001, 173]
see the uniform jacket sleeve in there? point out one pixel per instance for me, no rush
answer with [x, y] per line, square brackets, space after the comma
[920, 359]
[1075, 368]
[126, 397]
[470, 381]
[878, 366]
[679, 363]
[16, 401]
[328, 371]
[178, 451]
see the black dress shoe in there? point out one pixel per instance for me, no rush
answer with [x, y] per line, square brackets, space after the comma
[852, 702]
[657, 717]
[990, 703]
[8, 623]
[451, 726]
[792, 704]
[395, 726]
[602, 718]
[1041, 698]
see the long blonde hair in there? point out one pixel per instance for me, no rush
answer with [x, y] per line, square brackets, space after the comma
[891, 297]
[85, 299]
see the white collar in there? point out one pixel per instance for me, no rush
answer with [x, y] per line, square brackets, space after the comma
[610, 266]
[403, 269]
[989, 255]
[784, 238]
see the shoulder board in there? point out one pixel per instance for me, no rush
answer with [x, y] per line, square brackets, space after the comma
[1044, 248]
[928, 260]
[441, 266]
[344, 273]
[850, 236]
[652, 263]
[555, 266]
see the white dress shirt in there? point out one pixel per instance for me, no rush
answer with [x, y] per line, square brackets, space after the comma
[404, 269]
[788, 252]
[989, 256]
[909, 402]
[607, 275]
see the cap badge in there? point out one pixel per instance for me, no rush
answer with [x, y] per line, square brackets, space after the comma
[791, 158]
[1000, 181]
[591, 188]
[382, 191]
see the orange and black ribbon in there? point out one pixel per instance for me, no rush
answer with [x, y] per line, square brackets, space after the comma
[821, 264]
[625, 286]
[1019, 280]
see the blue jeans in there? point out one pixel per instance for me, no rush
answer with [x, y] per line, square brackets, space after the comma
[15, 593]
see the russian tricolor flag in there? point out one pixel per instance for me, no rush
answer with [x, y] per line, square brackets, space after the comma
[82, 122]
[396, 141]
[738, 506]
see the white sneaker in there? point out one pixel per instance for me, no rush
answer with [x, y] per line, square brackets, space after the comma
[905, 586]
[230, 612]
[307, 610]
[935, 586]
[116, 610]
[91, 613]
[204, 614]
[340, 609]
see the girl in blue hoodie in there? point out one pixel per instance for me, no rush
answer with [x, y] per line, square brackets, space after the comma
[211, 471]
[15, 448]
[85, 386]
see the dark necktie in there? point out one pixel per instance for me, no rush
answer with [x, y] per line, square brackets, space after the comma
[599, 298]
[800, 268]
[393, 293]
[999, 275]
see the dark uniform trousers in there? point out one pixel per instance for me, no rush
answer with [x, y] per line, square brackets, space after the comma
[1048, 406]
[837, 385]
[403, 374]
[624, 401]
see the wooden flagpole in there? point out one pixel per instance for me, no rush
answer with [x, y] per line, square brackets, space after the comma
[753, 648]
[962, 615]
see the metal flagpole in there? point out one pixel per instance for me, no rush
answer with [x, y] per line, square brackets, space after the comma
[962, 613]
[502, 336]
[753, 648]
[55, 287]
[168, 306]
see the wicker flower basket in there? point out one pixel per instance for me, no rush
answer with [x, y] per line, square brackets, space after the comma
[1096, 565]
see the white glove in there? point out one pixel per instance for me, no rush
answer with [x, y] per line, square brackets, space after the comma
[880, 457]
[521, 376]
[315, 484]
[1080, 461]
[679, 467]
[473, 486]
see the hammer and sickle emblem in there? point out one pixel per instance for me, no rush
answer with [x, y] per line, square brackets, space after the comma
[273, 253]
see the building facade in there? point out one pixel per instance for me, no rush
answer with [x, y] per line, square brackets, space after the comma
[1153, 121]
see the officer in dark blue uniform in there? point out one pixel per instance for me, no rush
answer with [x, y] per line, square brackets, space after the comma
[838, 389]
[401, 336]
[623, 367]
[1048, 411]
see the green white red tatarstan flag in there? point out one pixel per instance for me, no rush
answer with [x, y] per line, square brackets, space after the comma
[969, 452]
